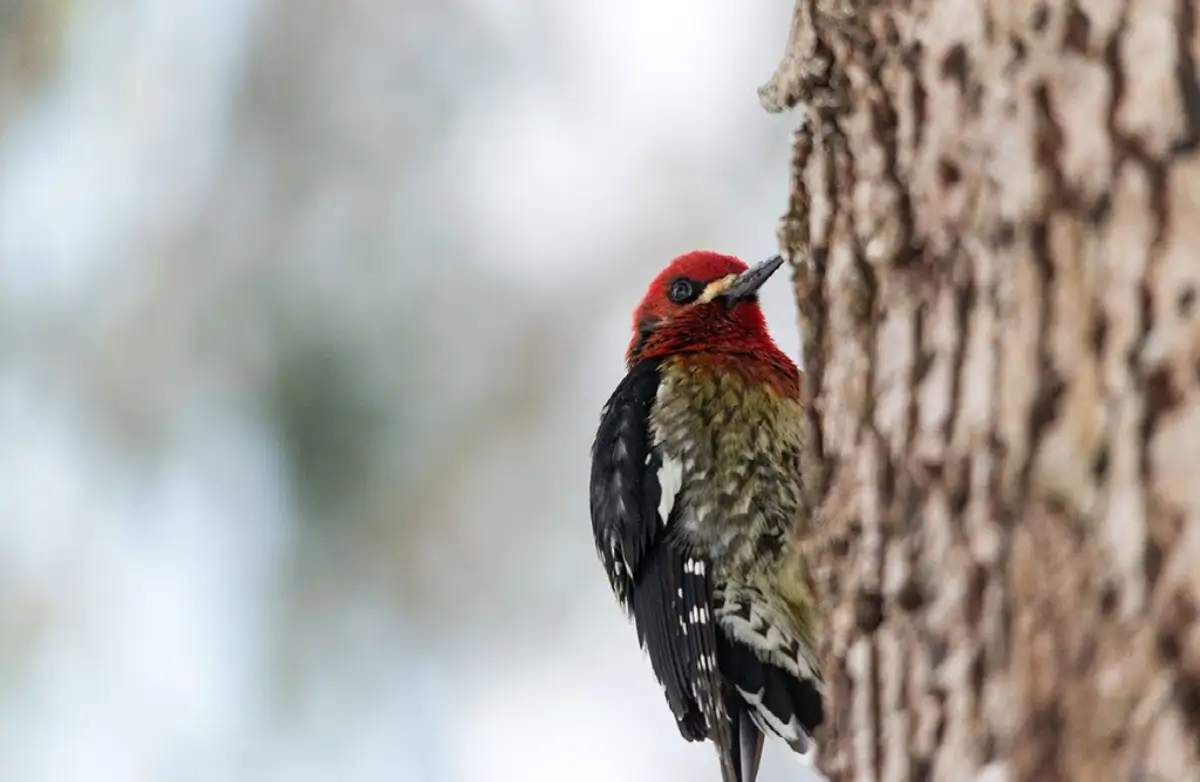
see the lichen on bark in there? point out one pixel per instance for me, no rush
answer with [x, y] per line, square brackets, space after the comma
[995, 228]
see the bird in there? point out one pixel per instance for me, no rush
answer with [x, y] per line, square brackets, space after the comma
[695, 498]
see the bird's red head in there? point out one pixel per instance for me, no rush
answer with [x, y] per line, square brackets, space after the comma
[703, 302]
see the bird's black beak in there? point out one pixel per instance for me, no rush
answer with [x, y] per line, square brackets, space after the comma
[748, 282]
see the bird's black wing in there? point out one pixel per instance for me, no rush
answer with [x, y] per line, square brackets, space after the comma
[624, 480]
[672, 607]
[667, 592]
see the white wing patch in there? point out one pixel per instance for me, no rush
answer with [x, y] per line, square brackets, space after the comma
[670, 481]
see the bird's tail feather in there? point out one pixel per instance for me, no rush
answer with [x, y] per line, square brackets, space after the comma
[741, 754]
[750, 746]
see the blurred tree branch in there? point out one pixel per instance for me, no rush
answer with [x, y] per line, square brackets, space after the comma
[31, 33]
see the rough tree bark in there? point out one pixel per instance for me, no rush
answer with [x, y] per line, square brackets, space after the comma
[995, 223]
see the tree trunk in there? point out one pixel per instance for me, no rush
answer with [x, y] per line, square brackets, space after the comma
[995, 222]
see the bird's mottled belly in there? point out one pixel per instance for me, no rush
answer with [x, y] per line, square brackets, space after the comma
[736, 442]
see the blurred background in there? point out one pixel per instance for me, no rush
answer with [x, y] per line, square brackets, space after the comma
[307, 311]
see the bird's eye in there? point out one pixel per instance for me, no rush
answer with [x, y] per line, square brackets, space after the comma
[682, 291]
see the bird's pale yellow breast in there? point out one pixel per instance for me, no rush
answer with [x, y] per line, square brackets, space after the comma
[737, 441]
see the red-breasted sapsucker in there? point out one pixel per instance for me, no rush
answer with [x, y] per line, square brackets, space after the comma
[695, 494]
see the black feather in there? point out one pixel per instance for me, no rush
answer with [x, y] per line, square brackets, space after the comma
[624, 487]
[667, 592]
[659, 613]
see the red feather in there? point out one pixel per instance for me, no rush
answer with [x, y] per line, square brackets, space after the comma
[715, 335]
